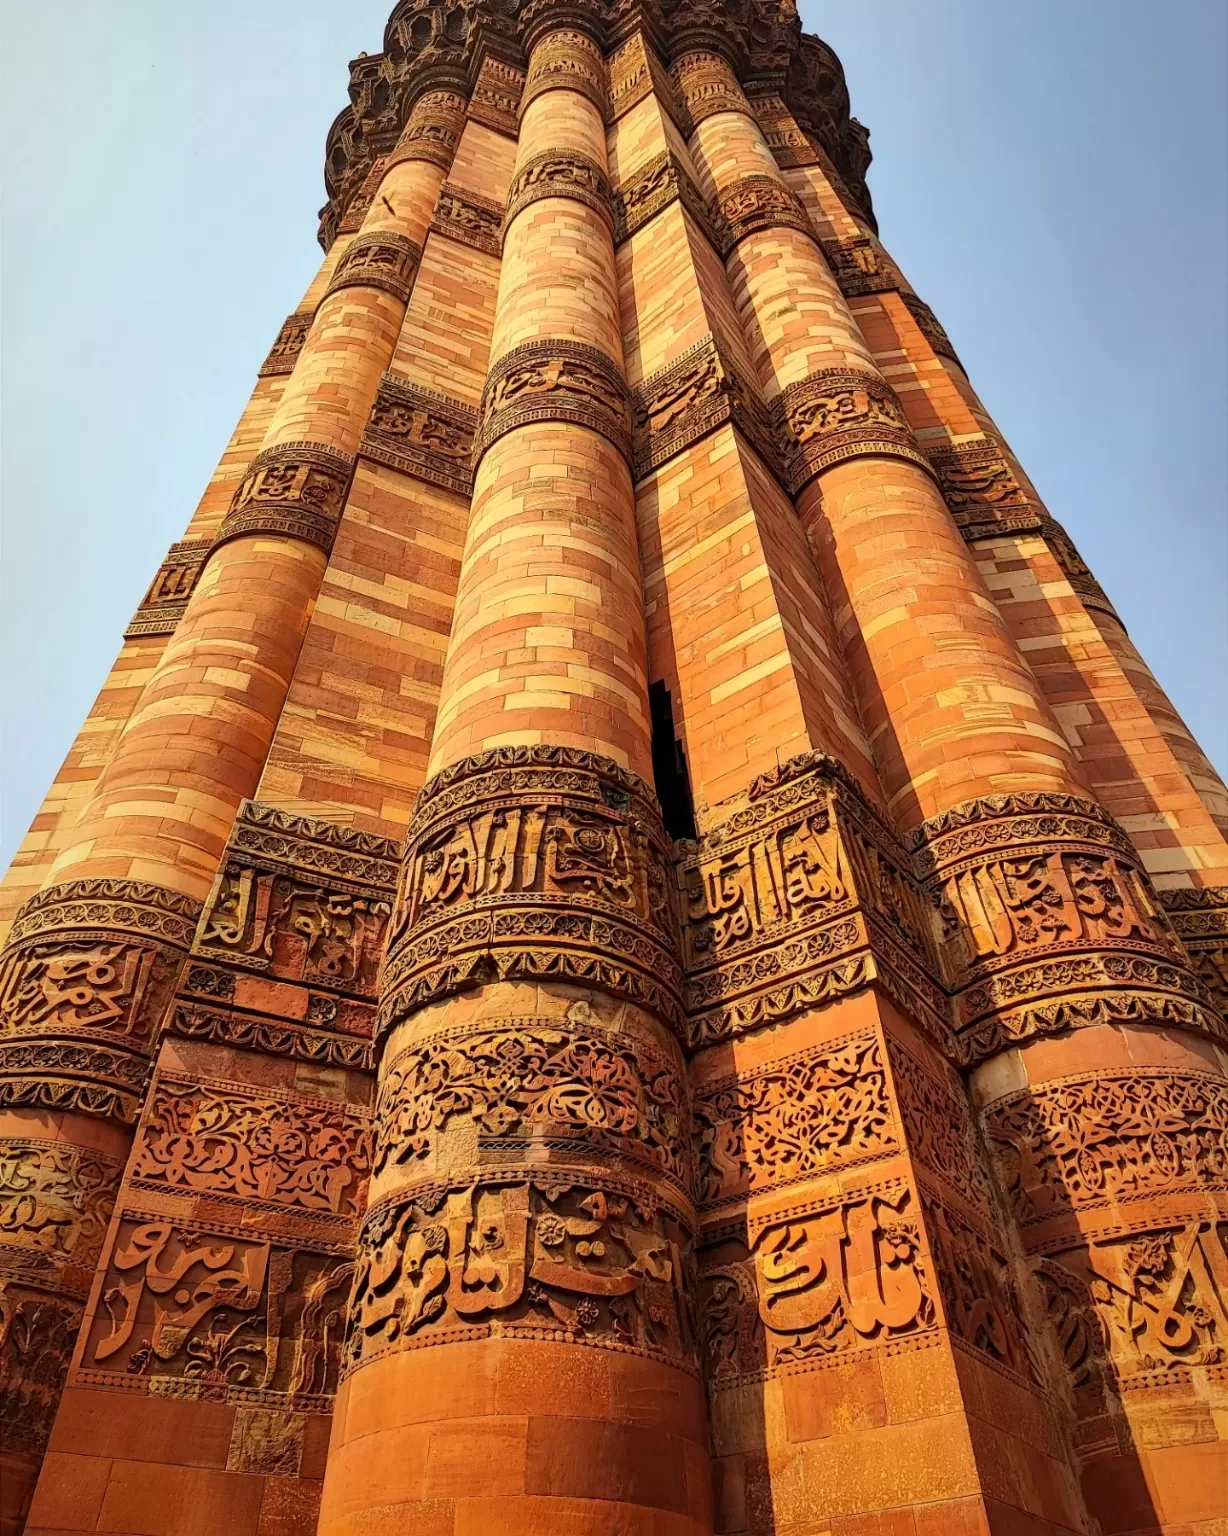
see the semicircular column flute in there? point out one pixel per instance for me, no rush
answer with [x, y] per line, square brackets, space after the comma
[521, 1354]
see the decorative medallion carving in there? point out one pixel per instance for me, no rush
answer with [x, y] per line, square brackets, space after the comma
[561, 173]
[757, 203]
[285, 350]
[803, 897]
[568, 1258]
[555, 381]
[167, 599]
[296, 490]
[570, 61]
[534, 862]
[89, 970]
[422, 433]
[980, 488]
[798, 1117]
[691, 398]
[1045, 922]
[472, 220]
[836, 415]
[381, 259]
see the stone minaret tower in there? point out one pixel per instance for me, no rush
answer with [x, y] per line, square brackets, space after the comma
[629, 946]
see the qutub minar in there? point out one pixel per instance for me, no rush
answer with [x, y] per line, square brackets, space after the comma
[629, 946]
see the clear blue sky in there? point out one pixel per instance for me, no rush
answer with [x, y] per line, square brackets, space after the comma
[1052, 174]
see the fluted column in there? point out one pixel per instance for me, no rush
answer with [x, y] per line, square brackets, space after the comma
[93, 957]
[521, 1352]
[1047, 923]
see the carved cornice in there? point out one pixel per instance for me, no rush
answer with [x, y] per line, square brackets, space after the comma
[534, 863]
[167, 598]
[429, 48]
[1046, 922]
[691, 398]
[84, 982]
[563, 173]
[469, 218]
[296, 490]
[285, 350]
[381, 259]
[980, 488]
[422, 433]
[804, 897]
[555, 381]
[836, 415]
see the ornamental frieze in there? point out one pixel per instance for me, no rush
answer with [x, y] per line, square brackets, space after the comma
[694, 396]
[939, 1130]
[1101, 1141]
[982, 491]
[296, 490]
[658, 183]
[495, 102]
[789, 145]
[562, 173]
[1045, 922]
[566, 1258]
[166, 601]
[87, 976]
[1200, 919]
[707, 86]
[826, 1279]
[570, 61]
[1074, 567]
[635, 73]
[37, 1335]
[861, 266]
[469, 218]
[55, 1203]
[381, 259]
[300, 900]
[803, 897]
[285, 350]
[835, 415]
[422, 433]
[548, 381]
[542, 863]
[612, 1098]
[359, 205]
[930, 326]
[433, 132]
[799, 1117]
[756, 203]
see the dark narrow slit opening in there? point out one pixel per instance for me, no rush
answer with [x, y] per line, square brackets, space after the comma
[673, 782]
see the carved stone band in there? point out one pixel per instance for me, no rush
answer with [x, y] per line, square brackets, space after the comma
[422, 433]
[1074, 567]
[496, 96]
[980, 488]
[1045, 922]
[567, 61]
[167, 598]
[382, 260]
[662, 181]
[542, 863]
[930, 327]
[757, 203]
[84, 982]
[555, 381]
[707, 86]
[1200, 918]
[285, 350]
[789, 145]
[297, 490]
[836, 415]
[473, 220]
[694, 396]
[562, 174]
[802, 898]
[433, 132]
[860, 266]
